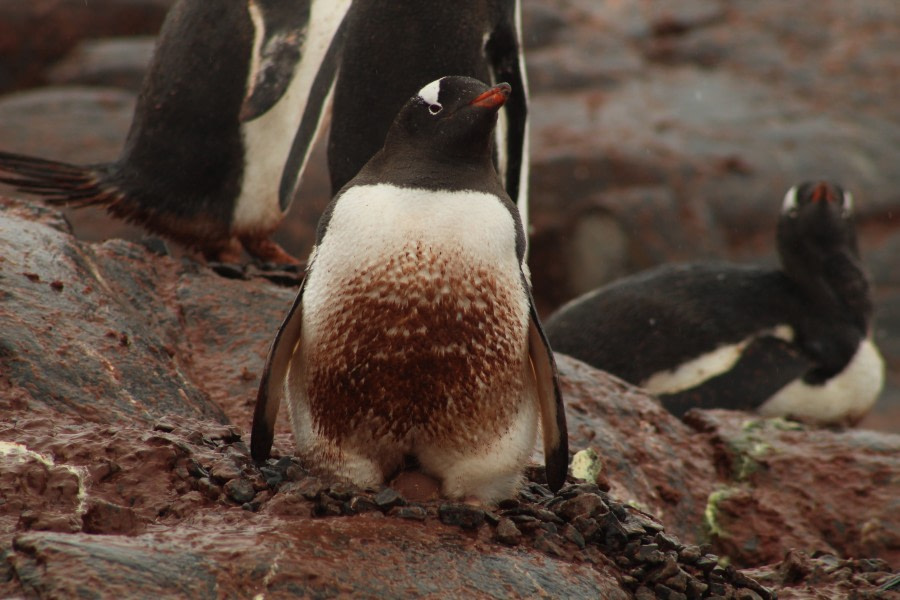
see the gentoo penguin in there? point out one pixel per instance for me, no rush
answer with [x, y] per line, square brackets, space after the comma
[206, 161]
[409, 43]
[787, 342]
[414, 334]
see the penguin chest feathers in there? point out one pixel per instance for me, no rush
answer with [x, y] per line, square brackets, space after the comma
[415, 317]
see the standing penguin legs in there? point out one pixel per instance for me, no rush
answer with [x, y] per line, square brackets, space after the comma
[488, 474]
[265, 250]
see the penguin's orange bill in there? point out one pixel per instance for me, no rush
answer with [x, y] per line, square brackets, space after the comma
[494, 97]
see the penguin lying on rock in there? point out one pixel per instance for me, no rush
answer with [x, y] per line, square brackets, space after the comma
[414, 334]
[206, 162]
[791, 342]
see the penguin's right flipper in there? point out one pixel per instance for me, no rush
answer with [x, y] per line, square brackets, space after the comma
[274, 379]
[59, 183]
[766, 365]
[553, 416]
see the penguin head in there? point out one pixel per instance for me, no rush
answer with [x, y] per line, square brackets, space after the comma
[816, 220]
[453, 116]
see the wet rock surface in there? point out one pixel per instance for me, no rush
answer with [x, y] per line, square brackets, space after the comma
[156, 495]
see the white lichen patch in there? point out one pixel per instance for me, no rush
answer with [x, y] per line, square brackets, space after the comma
[20, 453]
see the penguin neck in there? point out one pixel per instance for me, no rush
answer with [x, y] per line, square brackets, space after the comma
[415, 167]
[833, 281]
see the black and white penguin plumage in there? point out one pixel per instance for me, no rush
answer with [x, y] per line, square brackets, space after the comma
[211, 160]
[409, 43]
[792, 342]
[414, 334]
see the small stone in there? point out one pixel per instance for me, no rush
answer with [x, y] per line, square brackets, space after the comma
[492, 519]
[644, 593]
[633, 529]
[586, 464]
[747, 594]
[362, 504]
[587, 527]
[583, 505]
[310, 488]
[164, 426]
[340, 491]
[388, 498]
[224, 470]
[572, 534]
[668, 542]
[271, 476]
[649, 553]
[461, 515]
[550, 543]
[508, 503]
[415, 513]
[507, 532]
[678, 581]
[573, 489]
[208, 488]
[329, 507]
[668, 569]
[240, 490]
[612, 532]
[549, 527]
[666, 593]
[707, 562]
[195, 469]
[689, 554]
[696, 588]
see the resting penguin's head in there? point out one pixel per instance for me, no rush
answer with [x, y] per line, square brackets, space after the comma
[453, 116]
[816, 219]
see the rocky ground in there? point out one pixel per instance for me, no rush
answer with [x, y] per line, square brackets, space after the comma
[127, 387]
[661, 131]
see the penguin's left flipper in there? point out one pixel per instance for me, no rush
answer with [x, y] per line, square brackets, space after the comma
[553, 416]
[281, 35]
[766, 365]
[273, 381]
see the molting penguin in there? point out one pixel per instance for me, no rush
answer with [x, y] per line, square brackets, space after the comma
[414, 334]
[789, 342]
[209, 160]
[409, 43]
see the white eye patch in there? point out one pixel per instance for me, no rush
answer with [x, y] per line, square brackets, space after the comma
[429, 94]
[848, 203]
[790, 201]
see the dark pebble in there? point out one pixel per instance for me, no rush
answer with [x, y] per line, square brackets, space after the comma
[666, 593]
[689, 554]
[668, 542]
[696, 588]
[196, 469]
[550, 543]
[649, 553]
[707, 562]
[572, 534]
[415, 513]
[644, 593]
[361, 504]
[208, 488]
[310, 488]
[341, 491]
[507, 532]
[508, 504]
[492, 518]
[613, 533]
[461, 515]
[582, 505]
[388, 498]
[587, 527]
[329, 507]
[240, 490]
[574, 489]
[272, 476]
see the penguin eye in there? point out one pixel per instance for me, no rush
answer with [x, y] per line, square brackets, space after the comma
[435, 108]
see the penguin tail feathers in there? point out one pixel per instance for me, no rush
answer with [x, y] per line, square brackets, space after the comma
[59, 183]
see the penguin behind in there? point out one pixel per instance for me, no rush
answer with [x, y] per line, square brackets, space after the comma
[204, 162]
[793, 341]
[414, 335]
[409, 43]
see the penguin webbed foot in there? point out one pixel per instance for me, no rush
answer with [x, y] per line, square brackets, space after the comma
[264, 251]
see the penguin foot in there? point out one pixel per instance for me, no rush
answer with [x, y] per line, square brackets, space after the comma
[267, 251]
